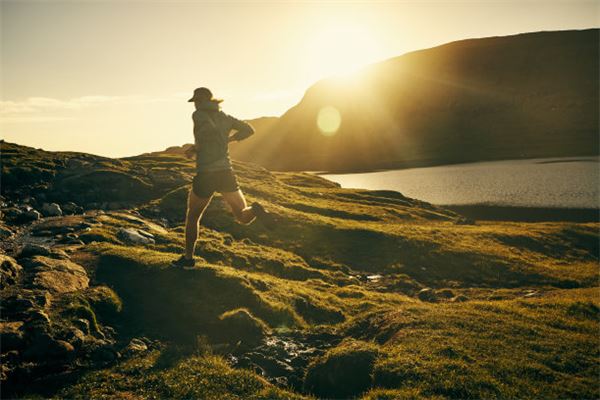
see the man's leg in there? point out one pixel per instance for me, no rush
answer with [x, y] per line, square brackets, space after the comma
[240, 209]
[196, 206]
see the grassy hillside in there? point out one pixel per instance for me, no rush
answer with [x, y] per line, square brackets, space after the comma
[356, 294]
[523, 96]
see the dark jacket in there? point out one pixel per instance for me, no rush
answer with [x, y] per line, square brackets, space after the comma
[211, 133]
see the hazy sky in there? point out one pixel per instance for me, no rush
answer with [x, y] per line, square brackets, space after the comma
[113, 77]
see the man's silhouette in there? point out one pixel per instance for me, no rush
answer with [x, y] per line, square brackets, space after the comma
[212, 134]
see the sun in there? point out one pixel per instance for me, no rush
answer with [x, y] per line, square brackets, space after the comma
[341, 49]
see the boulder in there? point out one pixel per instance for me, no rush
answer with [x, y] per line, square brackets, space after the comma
[12, 335]
[31, 215]
[60, 282]
[427, 294]
[82, 324]
[45, 348]
[38, 318]
[71, 208]
[75, 337]
[16, 306]
[135, 236]
[9, 271]
[5, 232]
[12, 213]
[51, 210]
[241, 326]
[57, 276]
[33, 249]
[135, 346]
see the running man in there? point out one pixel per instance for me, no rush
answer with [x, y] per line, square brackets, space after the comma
[212, 128]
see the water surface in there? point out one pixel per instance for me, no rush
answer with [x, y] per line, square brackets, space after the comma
[544, 182]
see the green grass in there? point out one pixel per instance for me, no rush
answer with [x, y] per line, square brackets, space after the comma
[528, 327]
[522, 348]
[196, 377]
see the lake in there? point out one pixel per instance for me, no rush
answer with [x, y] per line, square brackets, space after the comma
[567, 182]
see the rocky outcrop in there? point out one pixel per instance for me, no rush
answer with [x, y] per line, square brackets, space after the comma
[10, 271]
[56, 276]
[51, 210]
[135, 236]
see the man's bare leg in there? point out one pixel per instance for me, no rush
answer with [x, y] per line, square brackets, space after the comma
[195, 209]
[240, 209]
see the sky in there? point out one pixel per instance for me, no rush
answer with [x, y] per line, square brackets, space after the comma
[112, 77]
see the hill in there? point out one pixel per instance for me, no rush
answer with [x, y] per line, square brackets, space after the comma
[357, 293]
[522, 96]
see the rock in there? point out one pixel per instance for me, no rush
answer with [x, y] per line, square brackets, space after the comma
[135, 346]
[9, 271]
[16, 306]
[82, 324]
[146, 234]
[71, 208]
[51, 210]
[57, 276]
[134, 236]
[11, 213]
[92, 237]
[31, 215]
[12, 335]
[46, 348]
[5, 232]
[104, 355]
[43, 299]
[60, 282]
[32, 249]
[75, 337]
[426, 294]
[38, 318]
[241, 326]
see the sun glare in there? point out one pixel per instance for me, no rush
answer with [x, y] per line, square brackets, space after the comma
[329, 120]
[340, 50]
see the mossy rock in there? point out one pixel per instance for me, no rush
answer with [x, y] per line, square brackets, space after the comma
[241, 326]
[343, 372]
[104, 185]
[105, 302]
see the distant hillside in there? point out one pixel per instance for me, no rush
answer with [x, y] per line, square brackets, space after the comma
[522, 96]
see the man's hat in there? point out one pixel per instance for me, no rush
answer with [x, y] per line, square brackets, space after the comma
[204, 93]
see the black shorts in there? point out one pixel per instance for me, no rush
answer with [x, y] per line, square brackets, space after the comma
[207, 182]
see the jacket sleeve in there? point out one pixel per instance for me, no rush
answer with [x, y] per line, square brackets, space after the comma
[244, 129]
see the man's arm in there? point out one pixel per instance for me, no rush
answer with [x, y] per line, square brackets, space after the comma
[244, 130]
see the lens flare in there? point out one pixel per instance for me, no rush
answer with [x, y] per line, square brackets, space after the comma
[329, 120]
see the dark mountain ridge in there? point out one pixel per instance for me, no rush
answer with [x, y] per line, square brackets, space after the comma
[522, 96]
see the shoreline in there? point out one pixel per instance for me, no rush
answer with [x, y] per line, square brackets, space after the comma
[433, 164]
[484, 212]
